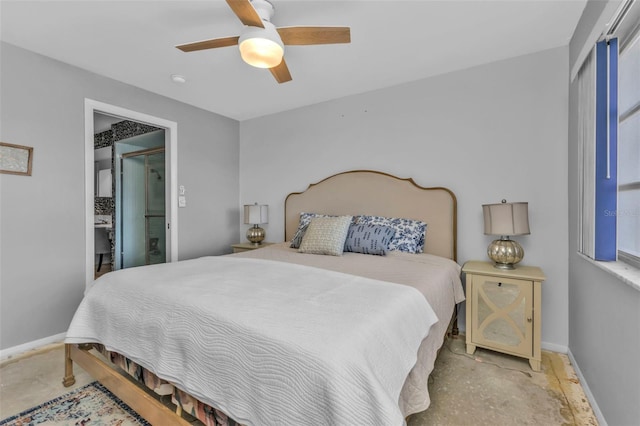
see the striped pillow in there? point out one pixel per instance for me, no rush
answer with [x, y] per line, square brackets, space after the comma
[369, 239]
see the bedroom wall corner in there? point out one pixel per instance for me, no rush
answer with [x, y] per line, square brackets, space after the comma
[42, 217]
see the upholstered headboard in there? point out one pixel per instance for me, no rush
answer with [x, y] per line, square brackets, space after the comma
[369, 192]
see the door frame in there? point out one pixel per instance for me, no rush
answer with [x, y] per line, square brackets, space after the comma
[92, 106]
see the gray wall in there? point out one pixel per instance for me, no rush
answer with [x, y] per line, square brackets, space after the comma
[42, 217]
[490, 132]
[604, 312]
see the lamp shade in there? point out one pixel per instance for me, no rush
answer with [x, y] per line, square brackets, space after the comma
[255, 214]
[261, 47]
[506, 218]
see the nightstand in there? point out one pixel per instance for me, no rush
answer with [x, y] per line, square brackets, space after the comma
[240, 247]
[504, 309]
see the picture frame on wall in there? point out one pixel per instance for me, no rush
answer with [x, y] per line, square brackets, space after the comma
[15, 159]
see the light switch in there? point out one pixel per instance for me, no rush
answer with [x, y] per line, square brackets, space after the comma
[181, 189]
[182, 201]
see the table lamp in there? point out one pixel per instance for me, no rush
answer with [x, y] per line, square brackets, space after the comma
[505, 219]
[255, 215]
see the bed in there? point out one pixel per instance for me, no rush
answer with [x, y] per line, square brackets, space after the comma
[305, 338]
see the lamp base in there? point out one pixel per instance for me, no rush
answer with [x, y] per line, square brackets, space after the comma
[255, 235]
[505, 253]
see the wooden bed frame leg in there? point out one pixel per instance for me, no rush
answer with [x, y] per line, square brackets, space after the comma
[454, 330]
[69, 379]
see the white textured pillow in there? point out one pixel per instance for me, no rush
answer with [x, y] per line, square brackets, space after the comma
[326, 235]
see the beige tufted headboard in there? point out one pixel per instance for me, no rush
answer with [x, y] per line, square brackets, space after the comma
[375, 193]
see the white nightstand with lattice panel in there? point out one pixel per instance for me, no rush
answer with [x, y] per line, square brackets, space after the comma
[503, 309]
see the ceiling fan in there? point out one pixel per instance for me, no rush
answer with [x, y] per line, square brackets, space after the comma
[262, 44]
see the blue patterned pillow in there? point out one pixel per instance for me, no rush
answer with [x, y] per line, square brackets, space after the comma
[369, 239]
[409, 236]
[297, 237]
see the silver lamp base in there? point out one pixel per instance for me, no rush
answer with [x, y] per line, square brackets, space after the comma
[255, 235]
[505, 253]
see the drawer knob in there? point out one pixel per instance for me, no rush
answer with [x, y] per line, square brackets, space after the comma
[529, 319]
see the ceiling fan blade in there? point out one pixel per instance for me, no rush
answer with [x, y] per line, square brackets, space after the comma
[314, 35]
[281, 72]
[209, 44]
[245, 12]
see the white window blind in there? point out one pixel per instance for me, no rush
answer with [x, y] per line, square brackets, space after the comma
[586, 150]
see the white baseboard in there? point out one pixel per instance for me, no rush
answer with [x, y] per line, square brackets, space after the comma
[25, 347]
[554, 347]
[587, 391]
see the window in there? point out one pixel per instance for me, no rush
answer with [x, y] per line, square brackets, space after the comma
[598, 92]
[628, 213]
[609, 134]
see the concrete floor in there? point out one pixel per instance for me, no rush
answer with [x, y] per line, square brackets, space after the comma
[33, 378]
[486, 388]
[490, 388]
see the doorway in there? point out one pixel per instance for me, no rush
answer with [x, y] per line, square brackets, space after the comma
[160, 225]
[116, 138]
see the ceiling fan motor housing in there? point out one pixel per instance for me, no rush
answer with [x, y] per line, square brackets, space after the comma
[264, 9]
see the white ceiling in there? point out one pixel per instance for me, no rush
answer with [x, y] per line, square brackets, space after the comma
[392, 42]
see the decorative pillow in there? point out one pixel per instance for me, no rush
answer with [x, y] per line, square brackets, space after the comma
[409, 236]
[369, 239]
[305, 218]
[326, 235]
[297, 237]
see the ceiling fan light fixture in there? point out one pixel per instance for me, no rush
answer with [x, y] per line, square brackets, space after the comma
[261, 47]
[261, 44]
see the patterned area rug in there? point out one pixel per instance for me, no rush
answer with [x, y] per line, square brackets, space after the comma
[91, 405]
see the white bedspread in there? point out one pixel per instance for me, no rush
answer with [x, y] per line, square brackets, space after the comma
[267, 342]
[437, 278]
